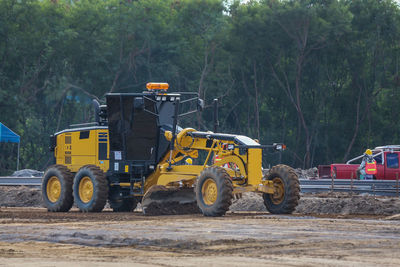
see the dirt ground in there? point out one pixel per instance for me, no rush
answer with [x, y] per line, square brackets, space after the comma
[322, 203]
[34, 237]
[325, 230]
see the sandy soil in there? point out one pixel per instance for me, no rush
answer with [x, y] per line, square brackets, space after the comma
[325, 230]
[34, 237]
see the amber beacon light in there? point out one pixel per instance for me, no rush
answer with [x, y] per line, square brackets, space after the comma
[157, 86]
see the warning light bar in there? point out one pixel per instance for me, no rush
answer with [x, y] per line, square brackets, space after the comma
[157, 86]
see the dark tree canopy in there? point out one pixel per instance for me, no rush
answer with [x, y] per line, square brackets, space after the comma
[322, 76]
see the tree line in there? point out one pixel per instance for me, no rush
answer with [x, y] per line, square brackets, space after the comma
[321, 76]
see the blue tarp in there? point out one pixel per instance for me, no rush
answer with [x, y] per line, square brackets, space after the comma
[6, 135]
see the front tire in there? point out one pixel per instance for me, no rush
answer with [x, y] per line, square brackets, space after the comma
[57, 189]
[90, 189]
[214, 191]
[287, 190]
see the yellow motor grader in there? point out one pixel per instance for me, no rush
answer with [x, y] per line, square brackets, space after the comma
[136, 152]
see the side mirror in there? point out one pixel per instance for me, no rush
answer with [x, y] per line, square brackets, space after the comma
[279, 146]
[200, 104]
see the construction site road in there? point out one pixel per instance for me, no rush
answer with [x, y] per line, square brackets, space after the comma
[35, 237]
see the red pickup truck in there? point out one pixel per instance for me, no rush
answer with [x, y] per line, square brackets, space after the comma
[387, 162]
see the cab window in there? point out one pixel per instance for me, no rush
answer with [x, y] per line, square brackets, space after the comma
[392, 160]
[378, 159]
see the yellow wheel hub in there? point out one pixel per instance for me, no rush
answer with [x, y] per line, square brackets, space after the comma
[209, 191]
[53, 189]
[279, 192]
[85, 189]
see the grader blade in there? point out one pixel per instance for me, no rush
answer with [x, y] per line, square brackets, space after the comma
[160, 200]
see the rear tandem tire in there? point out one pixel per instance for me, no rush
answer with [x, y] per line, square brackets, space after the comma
[214, 191]
[57, 189]
[287, 195]
[90, 189]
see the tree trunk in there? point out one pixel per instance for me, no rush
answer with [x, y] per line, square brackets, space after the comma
[256, 100]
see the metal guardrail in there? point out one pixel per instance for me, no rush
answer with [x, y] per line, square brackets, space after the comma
[380, 187]
[16, 181]
[375, 187]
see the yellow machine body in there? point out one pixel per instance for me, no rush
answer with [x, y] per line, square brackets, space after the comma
[77, 148]
[80, 147]
[246, 173]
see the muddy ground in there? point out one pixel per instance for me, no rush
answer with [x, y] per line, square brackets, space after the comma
[325, 230]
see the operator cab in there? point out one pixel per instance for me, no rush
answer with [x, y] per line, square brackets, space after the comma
[137, 123]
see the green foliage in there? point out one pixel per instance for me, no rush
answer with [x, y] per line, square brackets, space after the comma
[320, 75]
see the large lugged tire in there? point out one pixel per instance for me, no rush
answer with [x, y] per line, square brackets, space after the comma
[287, 190]
[119, 200]
[214, 191]
[123, 204]
[90, 189]
[57, 189]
